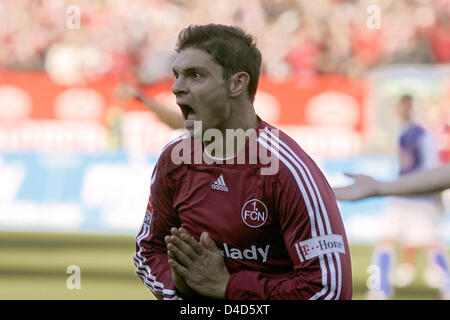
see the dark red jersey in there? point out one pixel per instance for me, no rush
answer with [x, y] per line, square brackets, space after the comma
[281, 234]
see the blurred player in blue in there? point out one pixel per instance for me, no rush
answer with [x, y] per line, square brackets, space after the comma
[412, 221]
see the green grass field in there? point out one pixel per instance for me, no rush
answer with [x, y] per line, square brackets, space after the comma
[34, 265]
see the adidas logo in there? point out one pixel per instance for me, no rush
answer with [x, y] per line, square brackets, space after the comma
[219, 184]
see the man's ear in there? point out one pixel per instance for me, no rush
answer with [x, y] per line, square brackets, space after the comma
[238, 84]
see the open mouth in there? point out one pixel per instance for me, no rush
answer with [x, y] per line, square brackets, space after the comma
[187, 110]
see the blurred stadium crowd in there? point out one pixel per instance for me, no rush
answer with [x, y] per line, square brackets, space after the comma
[296, 37]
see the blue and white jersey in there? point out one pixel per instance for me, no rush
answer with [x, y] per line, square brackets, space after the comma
[417, 149]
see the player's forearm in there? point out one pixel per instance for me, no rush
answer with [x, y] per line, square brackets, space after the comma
[155, 275]
[171, 118]
[426, 181]
[252, 285]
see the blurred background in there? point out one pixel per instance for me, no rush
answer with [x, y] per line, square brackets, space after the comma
[75, 160]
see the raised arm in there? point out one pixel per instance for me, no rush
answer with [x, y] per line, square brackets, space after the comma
[166, 115]
[426, 181]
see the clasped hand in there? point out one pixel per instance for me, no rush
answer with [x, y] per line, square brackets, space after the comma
[196, 266]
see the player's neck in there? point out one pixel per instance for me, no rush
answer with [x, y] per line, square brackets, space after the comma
[242, 118]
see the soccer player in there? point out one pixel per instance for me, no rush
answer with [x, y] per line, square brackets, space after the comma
[222, 228]
[410, 221]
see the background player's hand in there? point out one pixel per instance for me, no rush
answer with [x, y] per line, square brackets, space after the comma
[200, 264]
[363, 187]
[126, 91]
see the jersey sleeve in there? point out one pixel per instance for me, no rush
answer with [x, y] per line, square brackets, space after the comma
[150, 258]
[307, 209]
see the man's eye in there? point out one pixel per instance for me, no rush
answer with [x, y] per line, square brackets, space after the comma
[196, 75]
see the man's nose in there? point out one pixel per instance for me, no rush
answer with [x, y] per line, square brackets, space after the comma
[180, 86]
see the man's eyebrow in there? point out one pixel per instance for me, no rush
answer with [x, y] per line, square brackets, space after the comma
[191, 69]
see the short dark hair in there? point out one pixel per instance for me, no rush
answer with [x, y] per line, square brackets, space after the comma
[407, 98]
[230, 46]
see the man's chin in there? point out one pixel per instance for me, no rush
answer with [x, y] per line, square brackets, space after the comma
[192, 133]
[193, 129]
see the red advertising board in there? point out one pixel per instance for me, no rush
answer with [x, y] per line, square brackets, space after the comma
[292, 96]
[32, 99]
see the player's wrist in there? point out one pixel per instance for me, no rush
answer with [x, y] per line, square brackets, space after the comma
[189, 295]
[378, 188]
[222, 288]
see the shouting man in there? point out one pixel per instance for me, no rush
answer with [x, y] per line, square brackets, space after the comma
[220, 226]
